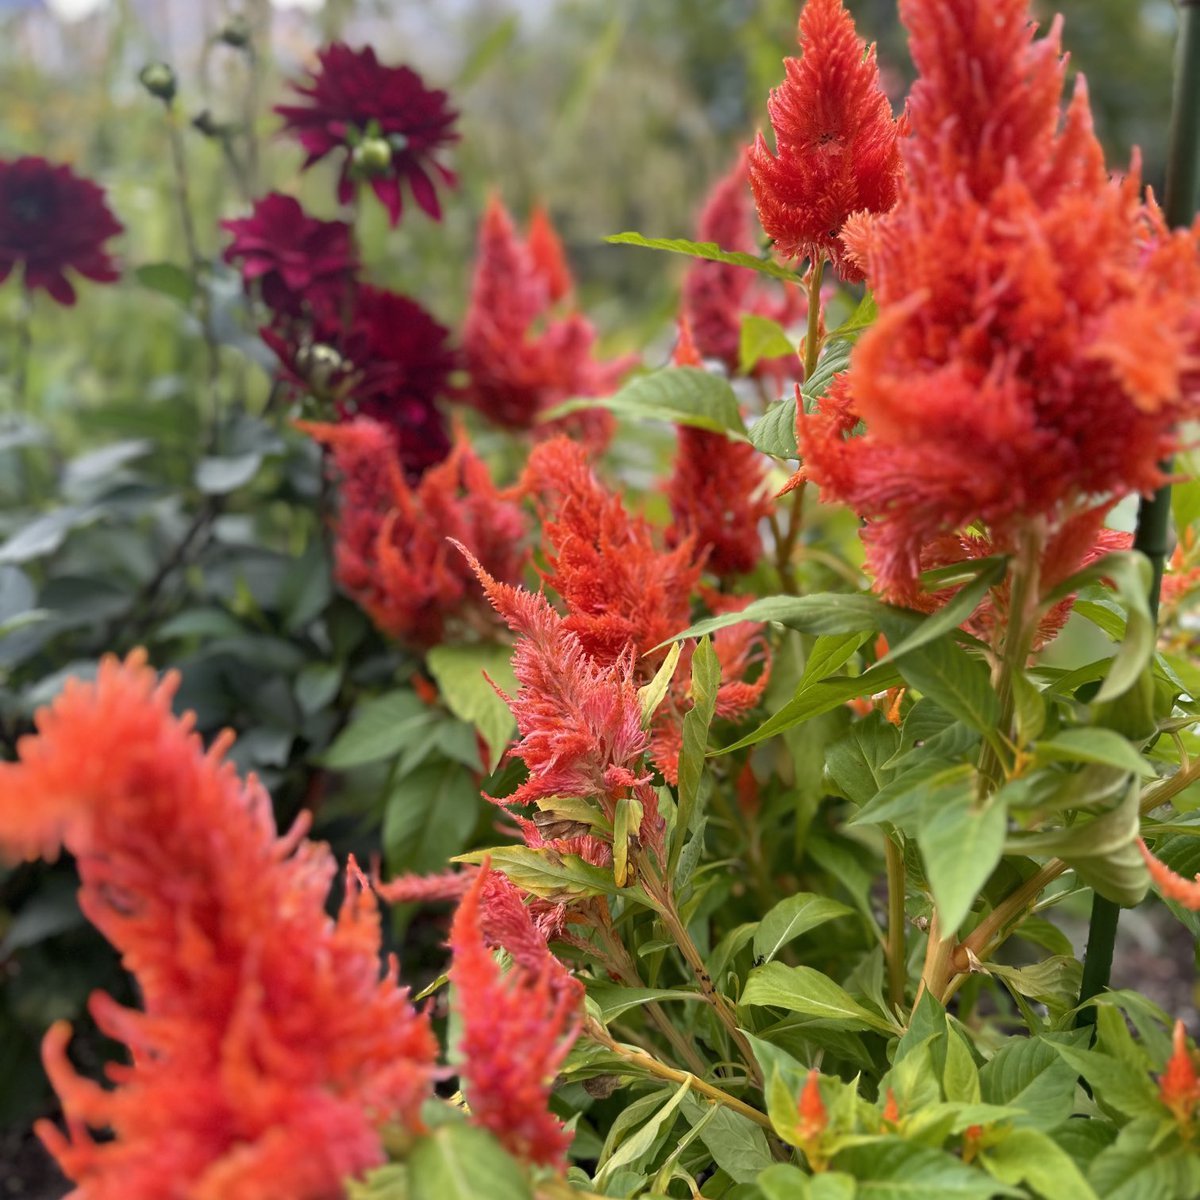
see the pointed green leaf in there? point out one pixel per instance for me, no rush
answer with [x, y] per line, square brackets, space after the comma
[465, 675]
[461, 1162]
[706, 679]
[761, 338]
[792, 917]
[805, 990]
[709, 251]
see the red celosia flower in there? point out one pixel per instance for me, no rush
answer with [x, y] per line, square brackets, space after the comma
[521, 360]
[52, 221]
[352, 96]
[390, 360]
[1036, 321]
[621, 591]
[717, 295]
[812, 1119]
[717, 511]
[1173, 886]
[579, 719]
[1182, 575]
[393, 552]
[269, 1050]
[835, 138]
[516, 1033]
[299, 262]
[625, 596]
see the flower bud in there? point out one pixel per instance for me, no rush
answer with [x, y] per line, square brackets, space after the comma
[235, 32]
[372, 156]
[159, 80]
[320, 365]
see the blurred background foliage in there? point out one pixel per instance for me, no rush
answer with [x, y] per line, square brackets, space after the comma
[142, 502]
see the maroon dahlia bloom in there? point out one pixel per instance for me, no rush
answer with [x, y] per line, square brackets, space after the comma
[51, 221]
[384, 114]
[390, 361]
[300, 262]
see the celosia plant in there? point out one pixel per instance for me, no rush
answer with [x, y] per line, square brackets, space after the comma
[758, 832]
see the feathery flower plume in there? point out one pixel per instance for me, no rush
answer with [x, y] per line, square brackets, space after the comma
[578, 718]
[717, 295]
[300, 263]
[393, 551]
[620, 589]
[269, 1050]
[521, 359]
[388, 359]
[717, 511]
[53, 221]
[1037, 322]
[516, 1033]
[388, 123]
[835, 139]
[624, 596]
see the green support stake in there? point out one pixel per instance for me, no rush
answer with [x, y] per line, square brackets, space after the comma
[1154, 514]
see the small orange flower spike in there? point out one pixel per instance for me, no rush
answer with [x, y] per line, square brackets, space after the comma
[1172, 886]
[972, 1136]
[1178, 1086]
[891, 1111]
[813, 1117]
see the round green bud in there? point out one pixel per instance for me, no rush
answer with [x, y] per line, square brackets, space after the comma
[372, 156]
[159, 80]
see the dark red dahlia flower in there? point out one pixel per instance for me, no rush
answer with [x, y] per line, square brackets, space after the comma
[385, 119]
[51, 220]
[300, 262]
[390, 360]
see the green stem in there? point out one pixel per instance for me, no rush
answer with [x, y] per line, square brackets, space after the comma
[786, 547]
[22, 351]
[1154, 513]
[897, 953]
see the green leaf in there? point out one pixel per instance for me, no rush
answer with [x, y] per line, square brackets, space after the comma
[488, 49]
[1094, 745]
[1029, 1074]
[463, 673]
[653, 693]
[812, 700]
[1132, 575]
[890, 1169]
[1029, 1156]
[738, 1146]
[461, 1162]
[679, 395]
[989, 572]
[857, 761]
[612, 1001]
[960, 1077]
[944, 672]
[627, 822]
[792, 917]
[961, 842]
[389, 1182]
[706, 679]
[1113, 1083]
[380, 729]
[1143, 1165]
[862, 318]
[805, 990]
[832, 363]
[785, 1182]
[774, 432]
[821, 613]
[709, 251]
[761, 338]
[553, 876]
[218, 476]
[642, 1143]
[430, 816]
[168, 280]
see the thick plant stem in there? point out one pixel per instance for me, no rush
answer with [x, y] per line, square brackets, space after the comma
[897, 948]
[1154, 513]
[786, 546]
[1011, 655]
[652, 1066]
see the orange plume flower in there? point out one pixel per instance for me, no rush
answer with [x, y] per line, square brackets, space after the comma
[579, 719]
[835, 138]
[522, 360]
[1178, 1086]
[393, 554]
[268, 1050]
[1037, 328]
[516, 1033]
